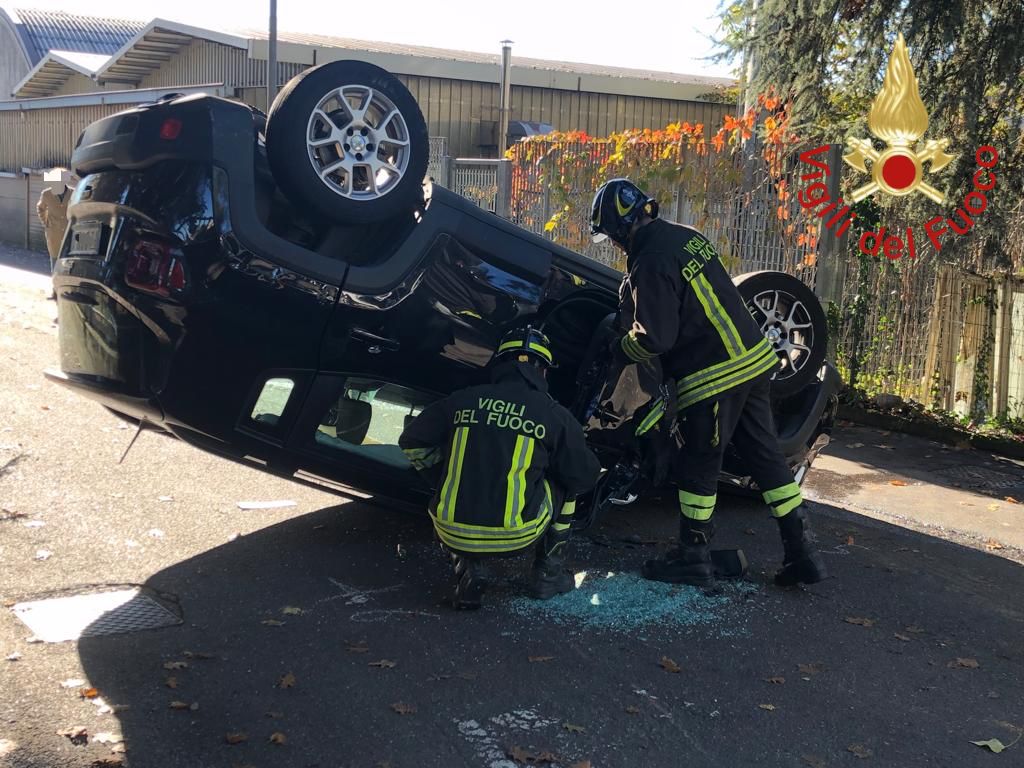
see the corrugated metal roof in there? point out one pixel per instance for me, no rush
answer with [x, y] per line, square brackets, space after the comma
[43, 31]
[475, 57]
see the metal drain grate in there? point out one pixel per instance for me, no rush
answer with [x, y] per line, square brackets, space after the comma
[981, 477]
[90, 615]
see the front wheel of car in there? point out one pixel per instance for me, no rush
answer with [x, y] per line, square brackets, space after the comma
[348, 139]
[791, 318]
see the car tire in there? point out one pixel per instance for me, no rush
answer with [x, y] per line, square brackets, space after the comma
[791, 317]
[348, 139]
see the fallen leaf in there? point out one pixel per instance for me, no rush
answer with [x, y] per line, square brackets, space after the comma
[13, 656]
[850, 541]
[631, 710]
[175, 665]
[197, 655]
[88, 693]
[78, 735]
[993, 507]
[581, 764]
[291, 610]
[286, 681]
[236, 738]
[898, 482]
[179, 705]
[272, 623]
[1011, 500]
[278, 738]
[107, 738]
[859, 750]
[73, 682]
[775, 680]
[855, 445]
[108, 762]
[993, 745]
[769, 707]
[860, 622]
[904, 638]
[812, 761]
[572, 728]
[811, 669]
[383, 664]
[171, 682]
[961, 663]
[669, 666]
[403, 709]
[992, 545]
[536, 659]
[523, 757]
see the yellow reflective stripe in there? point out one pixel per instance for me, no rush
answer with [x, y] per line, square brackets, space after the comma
[715, 437]
[716, 387]
[450, 490]
[725, 368]
[539, 348]
[695, 507]
[515, 493]
[718, 316]
[634, 349]
[783, 499]
[467, 538]
[651, 418]
[568, 509]
[559, 527]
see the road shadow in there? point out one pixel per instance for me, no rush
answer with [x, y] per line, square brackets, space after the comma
[330, 632]
[32, 261]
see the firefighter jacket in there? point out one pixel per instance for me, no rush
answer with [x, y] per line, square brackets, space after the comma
[509, 453]
[678, 302]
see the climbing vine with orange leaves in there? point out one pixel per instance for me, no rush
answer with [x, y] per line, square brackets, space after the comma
[554, 177]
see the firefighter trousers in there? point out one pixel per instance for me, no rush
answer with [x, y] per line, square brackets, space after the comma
[742, 416]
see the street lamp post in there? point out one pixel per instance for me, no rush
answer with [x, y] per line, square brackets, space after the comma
[272, 56]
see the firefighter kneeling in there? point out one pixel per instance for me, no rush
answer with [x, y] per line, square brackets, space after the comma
[510, 462]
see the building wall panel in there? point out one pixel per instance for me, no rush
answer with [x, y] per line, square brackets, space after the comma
[13, 211]
[13, 64]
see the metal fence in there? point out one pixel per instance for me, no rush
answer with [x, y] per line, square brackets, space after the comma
[485, 182]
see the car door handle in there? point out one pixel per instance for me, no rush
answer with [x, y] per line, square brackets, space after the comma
[375, 342]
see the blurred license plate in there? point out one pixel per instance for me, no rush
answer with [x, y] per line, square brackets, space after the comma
[85, 240]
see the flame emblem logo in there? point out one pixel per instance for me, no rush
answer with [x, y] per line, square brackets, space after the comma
[899, 118]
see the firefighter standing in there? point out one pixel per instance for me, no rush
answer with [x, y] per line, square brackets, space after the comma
[512, 462]
[678, 302]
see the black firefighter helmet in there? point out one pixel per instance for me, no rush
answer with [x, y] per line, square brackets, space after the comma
[618, 203]
[526, 344]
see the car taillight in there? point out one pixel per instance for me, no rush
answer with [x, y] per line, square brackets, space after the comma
[171, 129]
[155, 267]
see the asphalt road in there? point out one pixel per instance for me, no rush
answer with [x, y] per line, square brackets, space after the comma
[322, 626]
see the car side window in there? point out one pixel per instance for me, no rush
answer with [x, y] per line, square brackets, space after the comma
[367, 419]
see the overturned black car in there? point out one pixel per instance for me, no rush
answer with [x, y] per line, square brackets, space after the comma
[287, 292]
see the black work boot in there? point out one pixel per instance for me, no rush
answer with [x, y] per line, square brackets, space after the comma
[470, 582]
[549, 577]
[690, 563]
[801, 563]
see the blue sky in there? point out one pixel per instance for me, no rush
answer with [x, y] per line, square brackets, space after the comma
[667, 35]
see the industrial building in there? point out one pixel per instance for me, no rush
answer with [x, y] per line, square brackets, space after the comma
[61, 72]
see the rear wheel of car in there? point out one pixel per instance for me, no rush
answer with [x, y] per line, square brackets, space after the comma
[791, 318]
[348, 139]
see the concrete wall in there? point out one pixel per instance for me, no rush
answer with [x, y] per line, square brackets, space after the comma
[14, 65]
[19, 224]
